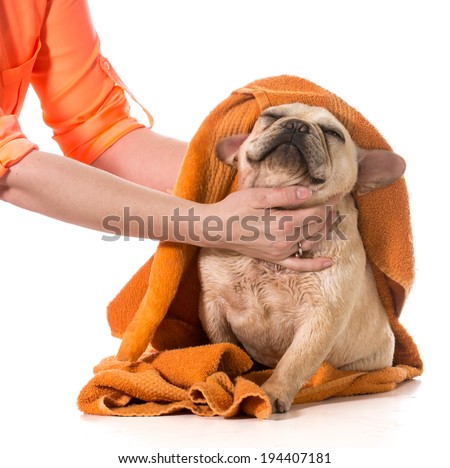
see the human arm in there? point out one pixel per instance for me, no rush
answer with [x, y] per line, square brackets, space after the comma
[83, 102]
[76, 193]
[144, 157]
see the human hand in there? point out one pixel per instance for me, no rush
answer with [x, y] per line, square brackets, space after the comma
[269, 224]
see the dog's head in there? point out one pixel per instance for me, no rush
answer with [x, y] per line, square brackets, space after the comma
[297, 144]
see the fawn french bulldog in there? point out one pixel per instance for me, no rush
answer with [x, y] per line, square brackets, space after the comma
[284, 319]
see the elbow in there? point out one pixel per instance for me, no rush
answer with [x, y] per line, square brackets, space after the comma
[13, 184]
[3, 189]
[9, 194]
[4, 193]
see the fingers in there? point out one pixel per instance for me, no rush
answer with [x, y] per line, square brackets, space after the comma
[277, 232]
[282, 197]
[299, 217]
[306, 264]
[306, 223]
[305, 244]
[300, 264]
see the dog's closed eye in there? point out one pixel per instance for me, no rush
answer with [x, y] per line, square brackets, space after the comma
[333, 132]
[267, 119]
[271, 115]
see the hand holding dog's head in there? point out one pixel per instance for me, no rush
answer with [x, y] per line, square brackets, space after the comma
[297, 144]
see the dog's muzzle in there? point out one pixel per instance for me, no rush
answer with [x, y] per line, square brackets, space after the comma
[297, 134]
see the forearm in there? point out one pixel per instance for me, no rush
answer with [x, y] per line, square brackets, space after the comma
[73, 192]
[79, 194]
[144, 157]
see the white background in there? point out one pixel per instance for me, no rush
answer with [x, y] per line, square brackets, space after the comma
[389, 59]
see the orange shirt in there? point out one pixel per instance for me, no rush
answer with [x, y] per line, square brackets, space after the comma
[52, 44]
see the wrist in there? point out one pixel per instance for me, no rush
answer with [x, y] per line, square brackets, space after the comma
[198, 224]
[180, 222]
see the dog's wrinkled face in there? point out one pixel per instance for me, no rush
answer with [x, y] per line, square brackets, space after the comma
[297, 144]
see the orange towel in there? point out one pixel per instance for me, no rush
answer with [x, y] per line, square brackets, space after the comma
[211, 380]
[159, 306]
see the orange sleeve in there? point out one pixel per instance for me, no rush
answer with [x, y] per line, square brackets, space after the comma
[13, 143]
[80, 97]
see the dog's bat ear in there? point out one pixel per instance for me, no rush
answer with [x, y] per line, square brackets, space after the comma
[227, 148]
[378, 169]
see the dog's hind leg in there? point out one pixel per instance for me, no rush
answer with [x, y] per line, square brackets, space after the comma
[381, 359]
[213, 318]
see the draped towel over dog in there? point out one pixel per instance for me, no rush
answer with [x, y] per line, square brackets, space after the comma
[159, 305]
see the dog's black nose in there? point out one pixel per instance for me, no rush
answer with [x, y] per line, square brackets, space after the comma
[296, 125]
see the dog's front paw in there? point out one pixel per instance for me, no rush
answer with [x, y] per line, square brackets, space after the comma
[279, 400]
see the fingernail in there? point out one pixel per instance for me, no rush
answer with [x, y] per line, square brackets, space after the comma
[303, 192]
[327, 263]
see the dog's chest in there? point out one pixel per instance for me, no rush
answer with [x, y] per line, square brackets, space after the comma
[267, 309]
[264, 305]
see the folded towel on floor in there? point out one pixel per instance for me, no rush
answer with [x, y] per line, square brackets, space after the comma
[212, 380]
[159, 305]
